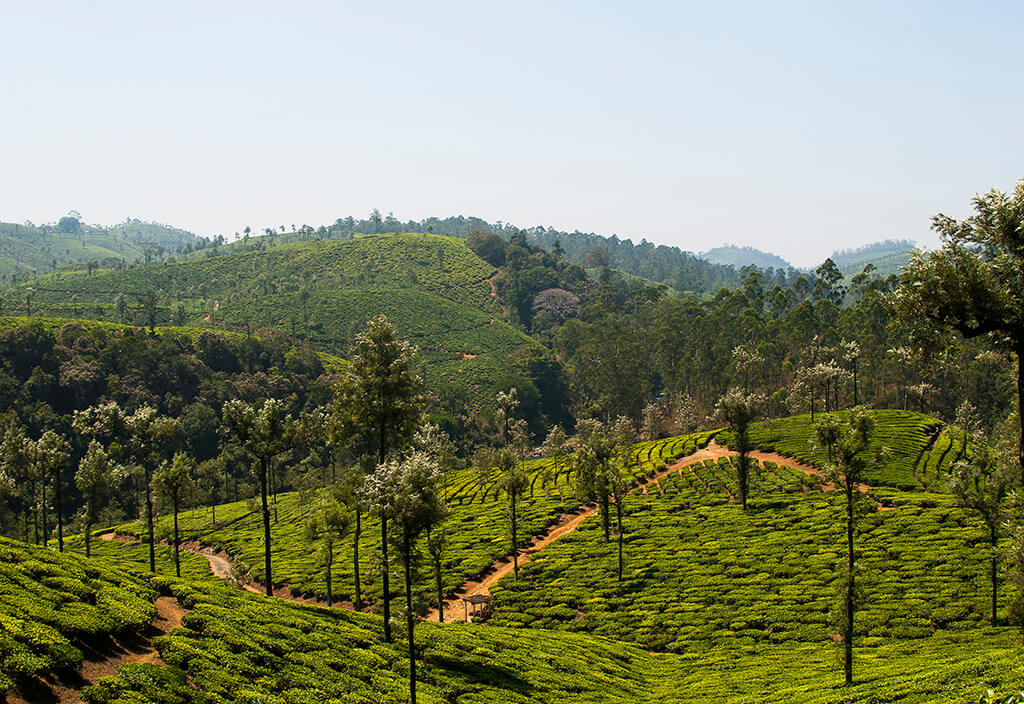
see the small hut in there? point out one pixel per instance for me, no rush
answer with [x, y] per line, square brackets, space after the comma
[481, 604]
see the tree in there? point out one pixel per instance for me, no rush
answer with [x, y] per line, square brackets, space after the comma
[328, 521]
[739, 410]
[171, 481]
[981, 482]
[51, 452]
[96, 473]
[848, 471]
[974, 284]
[263, 432]
[598, 447]
[408, 492]
[382, 392]
[141, 440]
[617, 477]
[556, 448]
[20, 473]
[512, 480]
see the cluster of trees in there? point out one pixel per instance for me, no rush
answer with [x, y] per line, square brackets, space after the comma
[49, 377]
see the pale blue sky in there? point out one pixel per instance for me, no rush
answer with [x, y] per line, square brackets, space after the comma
[796, 128]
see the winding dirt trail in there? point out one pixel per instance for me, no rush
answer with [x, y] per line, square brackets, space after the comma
[103, 657]
[455, 610]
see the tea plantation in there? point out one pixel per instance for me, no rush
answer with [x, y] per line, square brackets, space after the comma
[434, 289]
[716, 604]
[238, 647]
[476, 529]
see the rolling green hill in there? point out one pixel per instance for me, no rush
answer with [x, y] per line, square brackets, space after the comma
[26, 249]
[433, 288]
[736, 604]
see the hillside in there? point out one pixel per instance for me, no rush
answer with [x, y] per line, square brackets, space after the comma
[27, 249]
[736, 604]
[887, 257]
[433, 288]
[739, 257]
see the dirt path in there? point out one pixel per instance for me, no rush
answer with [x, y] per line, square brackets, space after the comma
[454, 610]
[494, 293]
[103, 657]
[222, 567]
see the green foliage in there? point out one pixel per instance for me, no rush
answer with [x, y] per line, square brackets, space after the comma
[917, 455]
[49, 600]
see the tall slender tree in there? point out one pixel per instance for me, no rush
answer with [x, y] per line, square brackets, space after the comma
[383, 393]
[848, 471]
[409, 493]
[264, 432]
[739, 410]
[52, 451]
[97, 472]
[172, 480]
[328, 522]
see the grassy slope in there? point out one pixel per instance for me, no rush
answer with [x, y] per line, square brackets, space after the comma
[29, 249]
[477, 529]
[743, 597]
[433, 288]
[909, 450]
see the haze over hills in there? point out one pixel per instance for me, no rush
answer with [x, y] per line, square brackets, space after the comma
[740, 257]
[28, 249]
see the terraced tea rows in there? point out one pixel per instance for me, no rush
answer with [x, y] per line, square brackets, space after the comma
[915, 455]
[49, 601]
[233, 646]
[702, 574]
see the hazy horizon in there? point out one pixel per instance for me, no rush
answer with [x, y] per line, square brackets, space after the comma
[796, 129]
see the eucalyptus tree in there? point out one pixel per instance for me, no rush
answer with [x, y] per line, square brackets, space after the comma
[851, 445]
[97, 472]
[556, 449]
[51, 453]
[172, 480]
[981, 481]
[328, 522]
[433, 441]
[382, 394]
[21, 475]
[600, 450]
[141, 440]
[408, 492]
[739, 410]
[973, 286]
[264, 432]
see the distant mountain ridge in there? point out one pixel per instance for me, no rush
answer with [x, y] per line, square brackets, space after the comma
[30, 249]
[739, 257]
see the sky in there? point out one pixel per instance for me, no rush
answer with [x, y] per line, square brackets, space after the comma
[795, 128]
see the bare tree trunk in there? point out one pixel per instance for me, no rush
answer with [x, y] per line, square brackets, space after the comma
[267, 574]
[618, 515]
[515, 542]
[358, 603]
[848, 636]
[385, 578]
[409, 623]
[149, 522]
[42, 509]
[177, 542]
[329, 547]
[59, 496]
